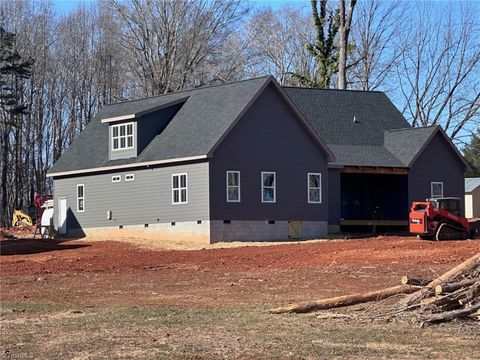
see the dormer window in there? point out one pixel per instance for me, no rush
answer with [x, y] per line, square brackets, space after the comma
[122, 136]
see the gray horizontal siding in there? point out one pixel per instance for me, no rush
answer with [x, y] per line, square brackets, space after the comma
[147, 199]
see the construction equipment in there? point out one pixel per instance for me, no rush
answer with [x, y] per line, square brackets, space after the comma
[40, 202]
[438, 219]
[21, 219]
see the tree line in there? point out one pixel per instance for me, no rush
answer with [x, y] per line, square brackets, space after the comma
[58, 69]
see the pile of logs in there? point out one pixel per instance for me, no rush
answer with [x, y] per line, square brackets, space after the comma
[455, 294]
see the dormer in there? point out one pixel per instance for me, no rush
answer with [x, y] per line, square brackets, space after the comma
[130, 134]
[123, 140]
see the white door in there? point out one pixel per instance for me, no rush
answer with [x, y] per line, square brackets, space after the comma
[62, 216]
[468, 206]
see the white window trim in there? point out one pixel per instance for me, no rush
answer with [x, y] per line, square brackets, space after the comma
[310, 188]
[274, 186]
[239, 185]
[180, 188]
[431, 189]
[116, 178]
[126, 136]
[81, 197]
[132, 177]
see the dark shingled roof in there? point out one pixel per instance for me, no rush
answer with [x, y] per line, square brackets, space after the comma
[361, 128]
[331, 112]
[202, 120]
[406, 144]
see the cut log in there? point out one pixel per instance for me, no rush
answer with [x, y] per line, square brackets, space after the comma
[458, 270]
[449, 287]
[414, 280]
[450, 315]
[345, 300]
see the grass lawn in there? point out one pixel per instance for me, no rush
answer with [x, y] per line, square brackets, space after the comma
[56, 331]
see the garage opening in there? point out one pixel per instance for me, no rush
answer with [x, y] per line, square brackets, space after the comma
[379, 200]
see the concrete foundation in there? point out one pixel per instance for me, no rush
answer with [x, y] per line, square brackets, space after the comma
[253, 230]
[186, 230]
[212, 231]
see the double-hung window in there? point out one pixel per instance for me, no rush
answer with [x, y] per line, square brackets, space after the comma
[314, 188]
[437, 189]
[233, 186]
[179, 189]
[268, 187]
[80, 198]
[122, 136]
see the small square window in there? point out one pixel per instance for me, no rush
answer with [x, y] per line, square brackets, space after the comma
[122, 136]
[437, 189]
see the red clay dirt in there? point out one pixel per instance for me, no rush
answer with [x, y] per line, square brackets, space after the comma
[108, 271]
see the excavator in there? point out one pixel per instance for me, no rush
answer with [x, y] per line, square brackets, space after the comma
[438, 219]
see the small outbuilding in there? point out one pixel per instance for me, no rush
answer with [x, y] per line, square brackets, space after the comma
[472, 197]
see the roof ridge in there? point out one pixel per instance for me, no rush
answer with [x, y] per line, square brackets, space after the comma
[188, 90]
[347, 90]
[412, 128]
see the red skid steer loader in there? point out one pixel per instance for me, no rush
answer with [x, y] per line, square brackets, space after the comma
[438, 219]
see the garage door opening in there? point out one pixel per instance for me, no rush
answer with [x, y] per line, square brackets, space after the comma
[379, 200]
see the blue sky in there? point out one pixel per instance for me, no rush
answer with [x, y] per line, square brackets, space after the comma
[68, 5]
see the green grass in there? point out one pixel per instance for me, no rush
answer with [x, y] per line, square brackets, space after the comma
[55, 331]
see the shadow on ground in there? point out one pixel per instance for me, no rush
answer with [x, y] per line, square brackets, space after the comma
[22, 246]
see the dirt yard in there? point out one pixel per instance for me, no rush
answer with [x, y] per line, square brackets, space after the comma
[106, 299]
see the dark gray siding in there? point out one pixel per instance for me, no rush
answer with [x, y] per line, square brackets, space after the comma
[437, 162]
[334, 197]
[146, 200]
[269, 137]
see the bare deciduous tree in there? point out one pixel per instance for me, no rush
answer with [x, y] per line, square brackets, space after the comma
[169, 41]
[438, 74]
[277, 43]
[374, 33]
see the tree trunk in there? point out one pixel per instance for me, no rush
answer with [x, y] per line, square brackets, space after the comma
[343, 34]
[449, 287]
[414, 280]
[345, 300]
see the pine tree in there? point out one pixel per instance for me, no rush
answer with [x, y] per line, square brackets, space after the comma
[13, 71]
[324, 50]
[472, 155]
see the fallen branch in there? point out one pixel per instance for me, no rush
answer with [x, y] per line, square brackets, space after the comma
[450, 315]
[345, 300]
[458, 270]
